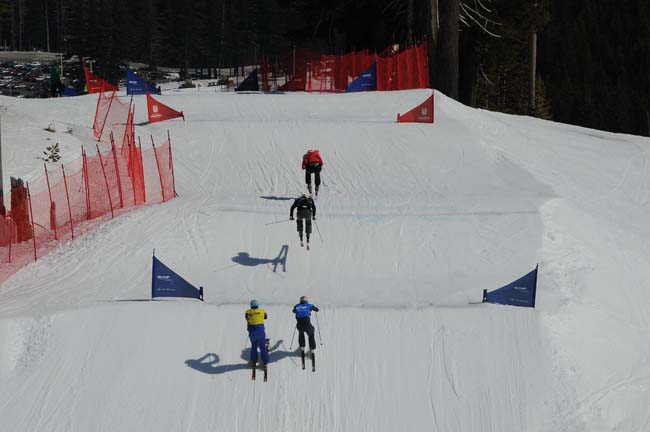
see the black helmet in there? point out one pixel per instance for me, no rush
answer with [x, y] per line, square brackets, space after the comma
[304, 299]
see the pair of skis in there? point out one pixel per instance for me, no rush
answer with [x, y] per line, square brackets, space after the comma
[313, 360]
[265, 367]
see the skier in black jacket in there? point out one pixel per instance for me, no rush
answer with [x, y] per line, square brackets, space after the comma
[307, 211]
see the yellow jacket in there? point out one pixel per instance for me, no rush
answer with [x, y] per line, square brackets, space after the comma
[255, 316]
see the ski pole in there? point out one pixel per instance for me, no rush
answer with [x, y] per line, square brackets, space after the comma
[319, 235]
[318, 325]
[277, 222]
[294, 335]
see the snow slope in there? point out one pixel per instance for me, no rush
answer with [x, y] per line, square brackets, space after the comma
[414, 220]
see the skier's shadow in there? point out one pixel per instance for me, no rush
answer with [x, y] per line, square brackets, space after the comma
[243, 258]
[277, 198]
[209, 363]
[274, 353]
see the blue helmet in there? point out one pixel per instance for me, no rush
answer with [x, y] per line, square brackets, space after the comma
[254, 304]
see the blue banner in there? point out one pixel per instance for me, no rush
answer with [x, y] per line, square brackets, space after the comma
[250, 83]
[166, 283]
[69, 92]
[367, 81]
[521, 292]
[138, 86]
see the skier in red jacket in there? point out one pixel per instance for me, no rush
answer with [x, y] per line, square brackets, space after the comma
[312, 163]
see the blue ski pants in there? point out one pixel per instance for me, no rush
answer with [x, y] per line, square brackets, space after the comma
[258, 341]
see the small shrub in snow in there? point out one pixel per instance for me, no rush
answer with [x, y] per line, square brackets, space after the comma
[51, 154]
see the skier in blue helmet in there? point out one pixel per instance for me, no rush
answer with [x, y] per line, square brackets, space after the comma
[255, 317]
[303, 311]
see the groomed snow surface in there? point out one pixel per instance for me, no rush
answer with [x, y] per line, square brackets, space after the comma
[415, 221]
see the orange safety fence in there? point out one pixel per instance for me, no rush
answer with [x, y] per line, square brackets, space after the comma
[70, 200]
[112, 116]
[165, 165]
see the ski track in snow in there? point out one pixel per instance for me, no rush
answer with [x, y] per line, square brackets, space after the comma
[415, 221]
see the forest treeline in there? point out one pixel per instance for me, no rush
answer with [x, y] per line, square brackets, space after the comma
[592, 58]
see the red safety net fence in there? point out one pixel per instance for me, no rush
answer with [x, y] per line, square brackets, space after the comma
[403, 68]
[112, 116]
[398, 68]
[290, 72]
[309, 70]
[350, 66]
[73, 199]
[165, 166]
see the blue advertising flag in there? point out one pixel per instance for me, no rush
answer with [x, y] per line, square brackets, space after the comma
[367, 81]
[138, 86]
[166, 283]
[69, 92]
[521, 292]
[251, 83]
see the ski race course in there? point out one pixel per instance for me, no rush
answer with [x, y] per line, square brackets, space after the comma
[414, 221]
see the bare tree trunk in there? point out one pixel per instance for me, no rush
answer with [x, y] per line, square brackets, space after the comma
[21, 23]
[186, 55]
[432, 46]
[222, 36]
[47, 26]
[154, 34]
[410, 18]
[469, 67]
[3, 44]
[533, 71]
[59, 26]
[13, 26]
[448, 48]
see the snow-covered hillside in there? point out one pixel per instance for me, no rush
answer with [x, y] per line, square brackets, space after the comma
[414, 222]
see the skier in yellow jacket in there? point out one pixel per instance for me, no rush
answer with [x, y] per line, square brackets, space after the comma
[255, 317]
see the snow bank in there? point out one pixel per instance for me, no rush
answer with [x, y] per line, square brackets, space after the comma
[414, 221]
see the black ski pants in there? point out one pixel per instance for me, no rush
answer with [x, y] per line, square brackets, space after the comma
[304, 326]
[307, 217]
[316, 171]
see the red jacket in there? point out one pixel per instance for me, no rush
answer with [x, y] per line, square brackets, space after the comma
[310, 157]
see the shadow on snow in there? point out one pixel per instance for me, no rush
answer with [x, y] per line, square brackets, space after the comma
[243, 258]
[209, 363]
